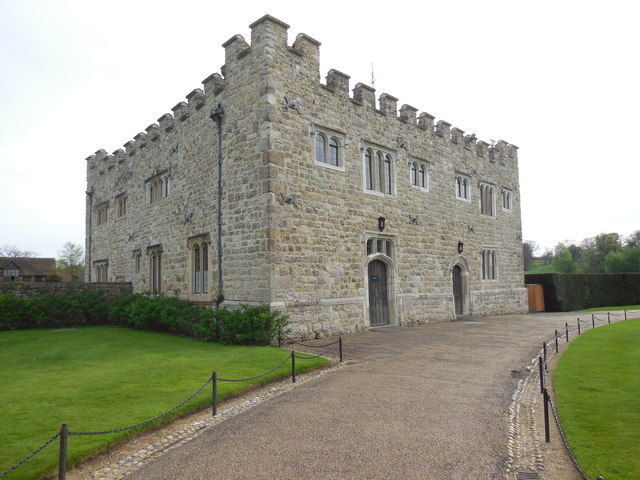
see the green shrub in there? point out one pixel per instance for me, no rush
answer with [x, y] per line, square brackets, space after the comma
[256, 325]
[248, 325]
[18, 313]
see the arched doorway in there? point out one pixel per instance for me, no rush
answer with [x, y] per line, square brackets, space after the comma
[378, 294]
[457, 289]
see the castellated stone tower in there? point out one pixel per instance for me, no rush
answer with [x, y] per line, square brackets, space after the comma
[340, 209]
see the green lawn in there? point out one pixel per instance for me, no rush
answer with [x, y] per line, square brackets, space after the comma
[635, 308]
[101, 378]
[541, 268]
[597, 385]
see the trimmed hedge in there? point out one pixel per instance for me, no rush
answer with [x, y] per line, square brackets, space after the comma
[249, 325]
[564, 292]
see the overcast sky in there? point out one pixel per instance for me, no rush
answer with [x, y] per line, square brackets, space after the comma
[559, 79]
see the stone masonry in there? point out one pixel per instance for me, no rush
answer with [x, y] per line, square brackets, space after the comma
[308, 176]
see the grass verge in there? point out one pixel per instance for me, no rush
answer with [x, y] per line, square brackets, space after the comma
[612, 309]
[597, 388]
[103, 378]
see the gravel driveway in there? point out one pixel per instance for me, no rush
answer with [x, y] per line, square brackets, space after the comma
[426, 402]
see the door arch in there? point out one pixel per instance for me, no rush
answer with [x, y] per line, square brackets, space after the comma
[378, 294]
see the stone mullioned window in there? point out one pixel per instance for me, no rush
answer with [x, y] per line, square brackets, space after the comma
[378, 171]
[488, 264]
[487, 199]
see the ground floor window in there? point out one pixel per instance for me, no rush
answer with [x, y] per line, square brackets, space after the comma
[489, 264]
[100, 269]
[155, 268]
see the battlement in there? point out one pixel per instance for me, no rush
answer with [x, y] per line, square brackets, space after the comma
[269, 37]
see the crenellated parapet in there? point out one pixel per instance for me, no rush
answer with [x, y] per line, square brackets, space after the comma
[269, 37]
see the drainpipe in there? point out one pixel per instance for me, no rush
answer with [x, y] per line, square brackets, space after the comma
[217, 115]
[88, 243]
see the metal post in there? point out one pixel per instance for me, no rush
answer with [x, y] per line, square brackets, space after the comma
[566, 328]
[214, 394]
[593, 321]
[62, 464]
[293, 366]
[556, 340]
[544, 349]
[541, 368]
[578, 325]
[609, 317]
[340, 347]
[547, 433]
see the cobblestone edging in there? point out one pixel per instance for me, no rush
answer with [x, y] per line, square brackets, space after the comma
[524, 445]
[120, 469]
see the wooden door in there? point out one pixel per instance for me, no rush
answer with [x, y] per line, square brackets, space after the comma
[378, 294]
[457, 289]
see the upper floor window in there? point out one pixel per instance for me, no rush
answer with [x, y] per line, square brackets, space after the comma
[101, 216]
[419, 175]
[121, 203]
[488, 262]
[378, 171]
[329, 147]
[507, 199]
[487, 199]
[157, 188]
[463, 187]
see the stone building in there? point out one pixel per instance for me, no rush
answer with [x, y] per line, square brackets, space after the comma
[344, 211]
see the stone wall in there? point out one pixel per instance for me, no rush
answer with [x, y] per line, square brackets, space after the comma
[28, 290]
[294, 231]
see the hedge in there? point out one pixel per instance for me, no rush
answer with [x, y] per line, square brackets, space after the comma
[248, 325]
[564, 292]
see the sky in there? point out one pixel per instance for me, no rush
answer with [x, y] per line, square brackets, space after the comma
[560, 79]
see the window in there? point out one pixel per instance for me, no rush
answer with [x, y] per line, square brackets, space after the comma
[155, 268]
[329, 147]
[378, 171]
[157, 188]
[101, 216]
[380, 245]
[100, 269]
[199, 246]
[487, 199]
[418, 175]
[121, 203]
[507, 199]
[137, 260]
[488, 264]
[463, 188]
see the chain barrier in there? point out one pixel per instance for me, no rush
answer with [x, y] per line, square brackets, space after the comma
[315, 356]
[543, 380]
[564, 439]
[291, 340]
[31, 455]
[123, 429]
[257, 376]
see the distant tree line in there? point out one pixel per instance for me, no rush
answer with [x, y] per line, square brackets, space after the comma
[604, 253]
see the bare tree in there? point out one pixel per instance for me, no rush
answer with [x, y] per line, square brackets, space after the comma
[13, 251]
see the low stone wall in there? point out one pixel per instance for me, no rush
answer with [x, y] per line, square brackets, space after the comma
[28, 290]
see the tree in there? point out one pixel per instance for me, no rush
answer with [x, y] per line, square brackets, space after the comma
[598, 249]
[633, 239]
[13, 251]
[529, 248]
[562, 259]
[626, 261]
[547, 256]
[70, 261]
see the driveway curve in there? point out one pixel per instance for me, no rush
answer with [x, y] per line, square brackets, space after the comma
[428, 402]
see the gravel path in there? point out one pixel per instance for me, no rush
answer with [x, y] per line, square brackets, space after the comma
[441, 401]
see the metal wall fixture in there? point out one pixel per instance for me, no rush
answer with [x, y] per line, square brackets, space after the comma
[382, 223]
